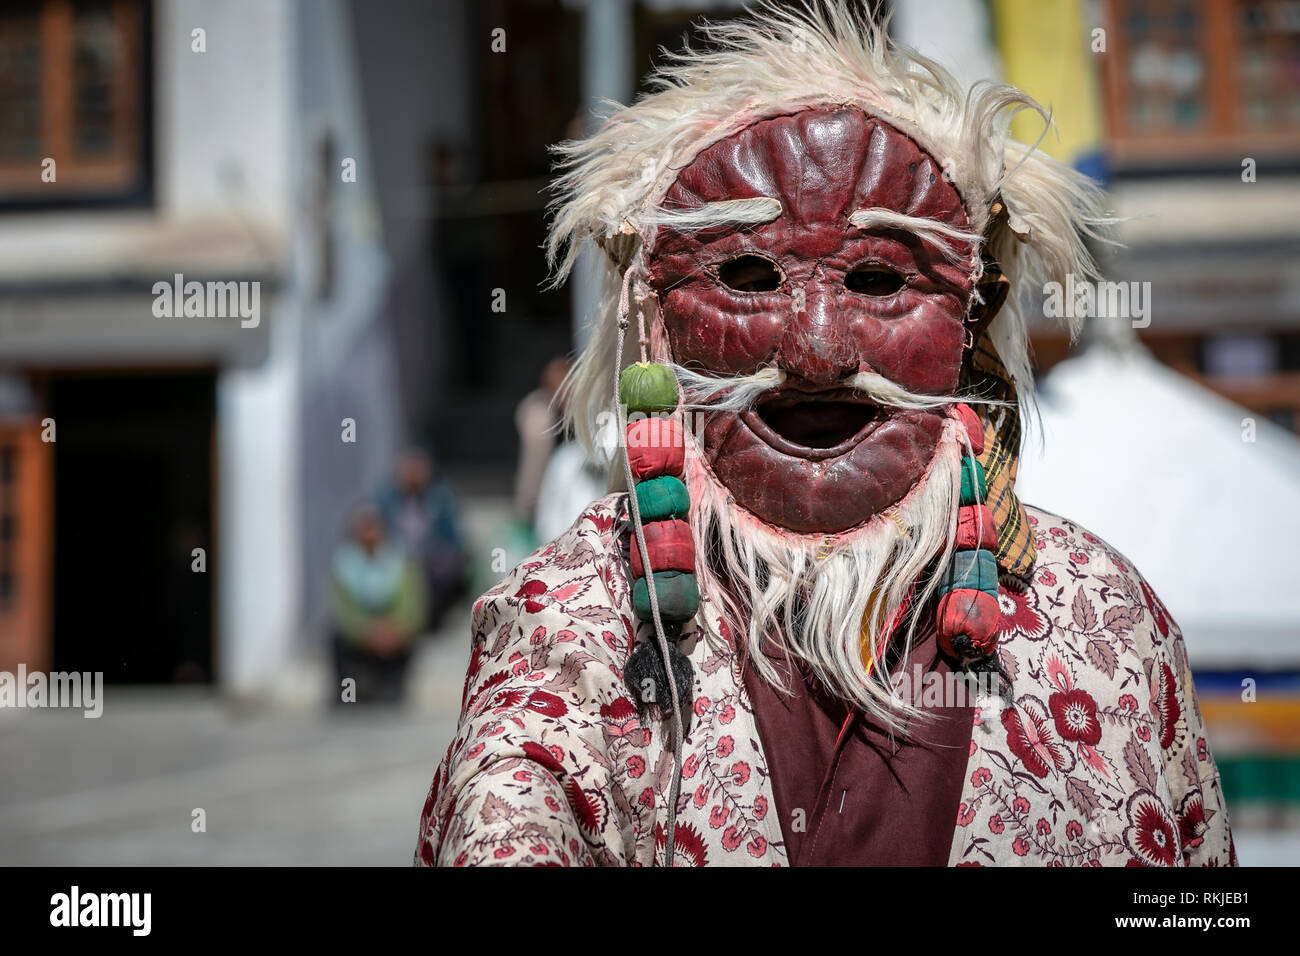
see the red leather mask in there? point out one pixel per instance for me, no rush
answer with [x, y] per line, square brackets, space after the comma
[823, 300]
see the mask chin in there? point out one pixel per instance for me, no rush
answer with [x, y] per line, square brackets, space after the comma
[810, 490]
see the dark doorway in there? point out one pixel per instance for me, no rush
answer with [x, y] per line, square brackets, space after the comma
[132, 500]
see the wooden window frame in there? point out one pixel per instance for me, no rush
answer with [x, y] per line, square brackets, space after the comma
[1225, 136]
[126, 176]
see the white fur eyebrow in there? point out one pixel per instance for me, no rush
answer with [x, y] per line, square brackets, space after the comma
[930, 230]
[723, 212]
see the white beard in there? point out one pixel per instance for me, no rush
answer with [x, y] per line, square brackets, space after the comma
[812, 594]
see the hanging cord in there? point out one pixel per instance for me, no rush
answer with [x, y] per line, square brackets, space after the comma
[624, 307]
[642, 338]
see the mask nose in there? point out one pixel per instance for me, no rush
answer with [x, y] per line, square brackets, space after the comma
[817, 345]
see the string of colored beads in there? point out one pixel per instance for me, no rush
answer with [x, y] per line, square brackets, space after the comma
[968, 614]
[656, 452]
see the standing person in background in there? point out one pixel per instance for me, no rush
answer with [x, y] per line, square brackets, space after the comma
[379, 607]
[421, 508]
[572, 480]
[537, 418]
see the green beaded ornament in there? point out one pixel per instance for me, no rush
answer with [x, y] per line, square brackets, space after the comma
[648, 387]
[975, 570]
[662, 498]
[973, 486]
[678, 594]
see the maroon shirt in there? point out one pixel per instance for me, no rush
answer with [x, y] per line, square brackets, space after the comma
[866, 800]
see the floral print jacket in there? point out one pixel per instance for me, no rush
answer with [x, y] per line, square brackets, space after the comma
[1101, 759]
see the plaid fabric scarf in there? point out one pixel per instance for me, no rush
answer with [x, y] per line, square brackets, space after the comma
[985, 375]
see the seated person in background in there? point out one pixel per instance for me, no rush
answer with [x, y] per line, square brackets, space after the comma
[379, 607]
[420, 507]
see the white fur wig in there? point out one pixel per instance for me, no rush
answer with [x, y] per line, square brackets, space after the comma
[781, 59]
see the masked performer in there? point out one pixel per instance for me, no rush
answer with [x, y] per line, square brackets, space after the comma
[821, 628]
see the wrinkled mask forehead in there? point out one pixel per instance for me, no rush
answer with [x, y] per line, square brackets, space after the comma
[857, 271]
[822, 164]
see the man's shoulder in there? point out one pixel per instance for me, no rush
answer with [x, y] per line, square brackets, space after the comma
[577, 581]
[1062, 542]
[1090, 593]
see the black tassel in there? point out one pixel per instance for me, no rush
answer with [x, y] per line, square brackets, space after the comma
[647, 679]
[977, 663]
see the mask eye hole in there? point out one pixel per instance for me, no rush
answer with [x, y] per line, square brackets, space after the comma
[750, 274]
[873, 280]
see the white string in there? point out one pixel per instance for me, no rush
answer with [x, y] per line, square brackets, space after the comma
[635, 508]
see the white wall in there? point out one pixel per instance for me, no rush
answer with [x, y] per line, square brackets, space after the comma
[225, 120]
[257, 559]
[223, 117]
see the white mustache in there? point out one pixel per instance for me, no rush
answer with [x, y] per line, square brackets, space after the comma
[738, 393]
[884, 392]
[734, 393]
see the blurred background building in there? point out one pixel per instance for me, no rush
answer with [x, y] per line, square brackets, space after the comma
[379, 169]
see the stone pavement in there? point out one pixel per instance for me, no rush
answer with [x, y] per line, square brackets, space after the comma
[296, 786]
[282, 780]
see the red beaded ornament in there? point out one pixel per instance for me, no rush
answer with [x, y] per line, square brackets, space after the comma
[968, 616]
[655, 447]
